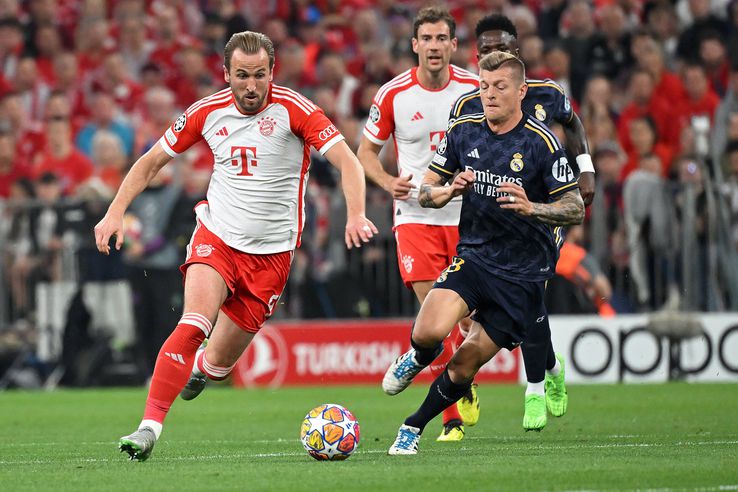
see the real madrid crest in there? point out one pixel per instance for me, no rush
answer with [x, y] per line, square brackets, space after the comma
[517, 164]
[540, 113]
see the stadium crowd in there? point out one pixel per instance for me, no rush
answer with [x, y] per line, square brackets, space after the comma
[87, 86]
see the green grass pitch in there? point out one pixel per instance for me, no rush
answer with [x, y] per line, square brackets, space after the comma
[621, 437]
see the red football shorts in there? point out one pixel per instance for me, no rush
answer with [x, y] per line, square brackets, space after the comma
[255, 282]
[424, 250]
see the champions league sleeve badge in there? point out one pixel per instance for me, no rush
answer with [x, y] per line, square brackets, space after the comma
[180, 123]
[374, 113]
[517, 164]
[442, 146]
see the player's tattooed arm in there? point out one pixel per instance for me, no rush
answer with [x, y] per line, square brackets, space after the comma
[433, 193]
[567, 210]
[425, 196]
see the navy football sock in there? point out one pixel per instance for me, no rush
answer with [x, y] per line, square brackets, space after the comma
[442, 393]
[536, 349]
[423, 355]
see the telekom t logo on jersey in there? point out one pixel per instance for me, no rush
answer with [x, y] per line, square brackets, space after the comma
[435, 139]
[244, 157]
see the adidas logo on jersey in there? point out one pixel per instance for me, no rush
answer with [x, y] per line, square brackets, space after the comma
[223, 132]
[474, 153]
[176, 357]
[417, 116]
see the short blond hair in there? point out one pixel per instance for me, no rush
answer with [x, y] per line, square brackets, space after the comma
[250, 43]
[497, 59]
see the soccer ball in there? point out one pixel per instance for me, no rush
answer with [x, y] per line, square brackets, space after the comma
[329, 432]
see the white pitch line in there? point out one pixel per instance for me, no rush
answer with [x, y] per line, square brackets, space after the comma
[501, 440]
[372, 451]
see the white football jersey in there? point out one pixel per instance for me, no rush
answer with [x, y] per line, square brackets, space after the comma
[417, 118]
[255, 200]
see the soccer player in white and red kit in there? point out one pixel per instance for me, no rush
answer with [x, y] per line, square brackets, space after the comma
[240, 253]
[413, 109]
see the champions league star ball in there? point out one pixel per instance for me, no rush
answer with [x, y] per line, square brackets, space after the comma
[329, 432]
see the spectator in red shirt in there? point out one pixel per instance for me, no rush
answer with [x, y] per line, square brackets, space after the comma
[47, 43]
[192, 70]
[11, 170]
[27, 132]
[30, 87]
[93, 44]
[649, 56]
[133, 45]
[60, 156]
[700, 101]
[644, 102]
[170, 40]
[68, 81]
[113, 77]
[646, 142]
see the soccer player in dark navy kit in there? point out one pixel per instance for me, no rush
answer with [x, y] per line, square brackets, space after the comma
[516, 185]
[545, 99]
[546, 102]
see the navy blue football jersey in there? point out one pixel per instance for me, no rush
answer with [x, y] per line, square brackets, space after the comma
[545, 101]
[505, 243]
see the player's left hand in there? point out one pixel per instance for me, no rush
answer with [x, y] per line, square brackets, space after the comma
[516, 199]
[359, 229]
[587, 187]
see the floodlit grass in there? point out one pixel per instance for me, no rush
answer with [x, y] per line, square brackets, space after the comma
[620, 437]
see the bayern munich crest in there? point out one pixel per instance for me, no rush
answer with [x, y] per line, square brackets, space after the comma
[266, 125]
[203, 250]
[180, 123]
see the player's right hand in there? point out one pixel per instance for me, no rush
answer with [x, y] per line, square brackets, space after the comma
[399, 187]
[462, 182]
[105, 229]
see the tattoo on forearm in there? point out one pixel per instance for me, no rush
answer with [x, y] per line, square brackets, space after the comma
[567, 210]
[425, 197]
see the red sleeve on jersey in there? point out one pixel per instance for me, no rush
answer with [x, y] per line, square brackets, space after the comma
[184, 132]
[307, 121]
[381, 122]
[319, 132]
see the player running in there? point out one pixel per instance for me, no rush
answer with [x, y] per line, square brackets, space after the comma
[413, 109]
[516, 185]
[240, 253]
[546, 101]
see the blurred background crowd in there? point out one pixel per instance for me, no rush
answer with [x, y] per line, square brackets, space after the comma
[87, 86]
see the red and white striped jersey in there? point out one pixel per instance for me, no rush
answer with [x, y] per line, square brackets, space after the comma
[255, 200]
[417, 118]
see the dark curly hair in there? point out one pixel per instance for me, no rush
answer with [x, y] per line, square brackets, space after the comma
[496, 22]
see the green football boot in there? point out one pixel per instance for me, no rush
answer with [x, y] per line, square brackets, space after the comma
[535, 413]
[556, 397]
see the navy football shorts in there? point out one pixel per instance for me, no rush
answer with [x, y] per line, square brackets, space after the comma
[506, 309]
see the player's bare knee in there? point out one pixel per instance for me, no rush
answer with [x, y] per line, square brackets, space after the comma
[461, 371]
[428, 336]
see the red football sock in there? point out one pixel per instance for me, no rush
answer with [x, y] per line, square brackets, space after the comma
[174, 365]
[216, 373]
